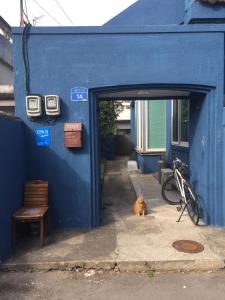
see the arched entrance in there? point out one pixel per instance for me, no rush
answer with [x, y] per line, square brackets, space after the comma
[203, 152]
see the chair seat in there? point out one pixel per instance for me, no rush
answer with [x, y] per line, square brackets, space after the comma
[30, 213]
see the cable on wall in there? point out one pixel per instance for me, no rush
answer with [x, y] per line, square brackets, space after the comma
[25, 57]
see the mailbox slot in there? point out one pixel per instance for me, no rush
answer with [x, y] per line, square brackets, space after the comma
[73, 135]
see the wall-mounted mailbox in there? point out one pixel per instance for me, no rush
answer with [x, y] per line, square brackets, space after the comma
[73, 135]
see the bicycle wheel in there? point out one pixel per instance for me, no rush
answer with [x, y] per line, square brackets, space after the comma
[170, 191]
[193, 207]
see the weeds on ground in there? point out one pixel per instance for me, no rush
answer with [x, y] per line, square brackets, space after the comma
[150, 272]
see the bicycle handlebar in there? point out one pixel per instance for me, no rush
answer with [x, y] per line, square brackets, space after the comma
[182, 164]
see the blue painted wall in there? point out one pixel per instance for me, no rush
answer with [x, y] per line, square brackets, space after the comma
[151, 12]
[182, 57]
[12, 175]
[196, 12]
[164, 12]
[148, 163]
[207, 186]
[66, 170]
[183, 153]
[180, 152]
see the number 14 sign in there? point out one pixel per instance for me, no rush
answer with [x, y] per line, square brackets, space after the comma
[79, 94]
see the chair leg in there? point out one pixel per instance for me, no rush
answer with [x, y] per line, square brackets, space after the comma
[47, 224]
[14, 232]
[41, 231]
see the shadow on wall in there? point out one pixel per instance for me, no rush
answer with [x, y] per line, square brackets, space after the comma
[69, 188]
[198, 154]
[12, 174]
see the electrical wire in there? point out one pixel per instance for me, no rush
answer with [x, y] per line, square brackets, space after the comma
[56, 1]
[25, 5]
[25, 57]
[27, 20]
[41, 7]
[25, 12]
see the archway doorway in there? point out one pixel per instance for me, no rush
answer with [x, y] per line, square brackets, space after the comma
[195, 96]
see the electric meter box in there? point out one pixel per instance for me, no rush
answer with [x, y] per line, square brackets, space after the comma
[52, 105]
[33, 106]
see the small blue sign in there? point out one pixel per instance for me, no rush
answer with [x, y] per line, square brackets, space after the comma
[42, 136]
[79, 94]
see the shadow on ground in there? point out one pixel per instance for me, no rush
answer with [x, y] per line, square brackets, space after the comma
[124, 237]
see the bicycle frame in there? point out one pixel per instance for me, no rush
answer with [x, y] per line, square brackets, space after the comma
[187, 196]
[180, 181]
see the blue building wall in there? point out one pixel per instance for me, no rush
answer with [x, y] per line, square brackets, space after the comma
[202, 12]
[201, 110]
[164, 12]
[179, 152]
[153, 12]
[148, 163]
[182, 57]
[66, 170]
[12, 176]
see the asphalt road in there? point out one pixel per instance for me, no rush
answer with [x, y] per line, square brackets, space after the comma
[112, 286]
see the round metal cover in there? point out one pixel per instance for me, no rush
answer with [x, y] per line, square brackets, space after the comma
[188, 246]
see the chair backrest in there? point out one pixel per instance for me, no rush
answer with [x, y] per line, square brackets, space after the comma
[36, 193]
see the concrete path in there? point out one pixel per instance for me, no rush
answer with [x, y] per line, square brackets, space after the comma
[164, 217]
[125, 241]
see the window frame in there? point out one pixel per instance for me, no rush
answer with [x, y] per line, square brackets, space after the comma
[179, 142]
[142, 128]
[153, 150]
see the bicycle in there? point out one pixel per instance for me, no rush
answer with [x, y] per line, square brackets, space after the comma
[176, 190]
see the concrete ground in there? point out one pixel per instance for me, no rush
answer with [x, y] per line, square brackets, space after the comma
[125, 241]
[111, 285]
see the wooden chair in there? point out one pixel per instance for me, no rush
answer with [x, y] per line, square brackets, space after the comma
[35, 207]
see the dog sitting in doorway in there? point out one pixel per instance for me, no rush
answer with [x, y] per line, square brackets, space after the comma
[140, 208]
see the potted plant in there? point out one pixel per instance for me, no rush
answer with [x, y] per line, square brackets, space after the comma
[108, 113]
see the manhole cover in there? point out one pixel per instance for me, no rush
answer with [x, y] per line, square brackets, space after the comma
[188, 246]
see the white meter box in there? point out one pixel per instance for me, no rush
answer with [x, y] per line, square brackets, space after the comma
[33, 105]
[52, 105]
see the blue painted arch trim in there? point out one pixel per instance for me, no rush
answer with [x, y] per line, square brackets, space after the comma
[95, 159]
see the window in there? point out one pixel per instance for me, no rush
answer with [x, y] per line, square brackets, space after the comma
[175, 132]
[180, 122]
[151, 125]
[140, 120]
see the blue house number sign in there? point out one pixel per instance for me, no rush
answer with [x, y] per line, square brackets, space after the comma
[79, 94]
[42, 136]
